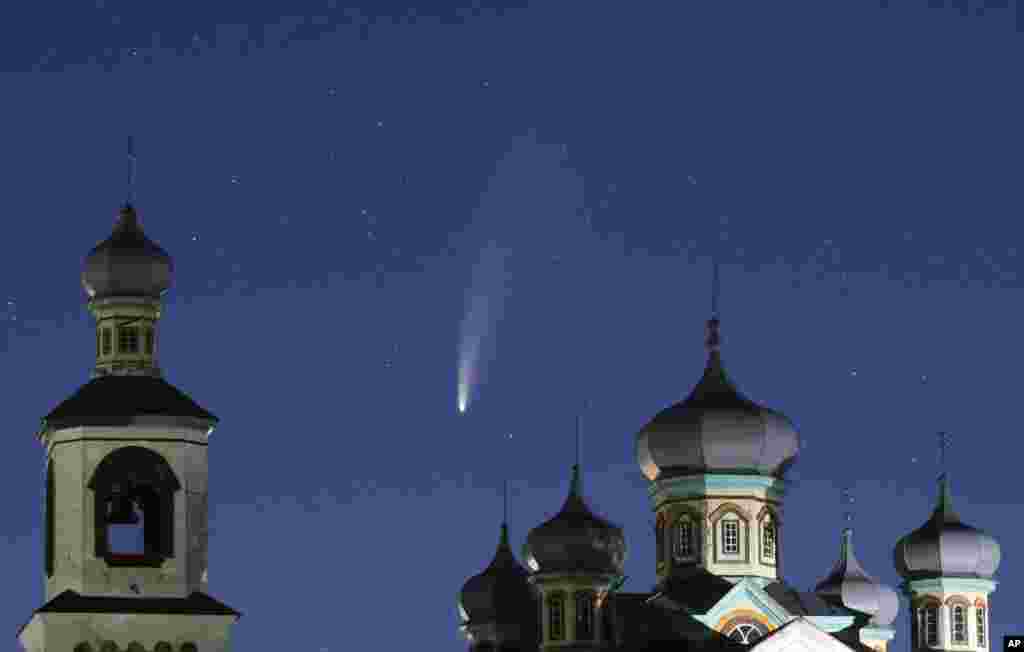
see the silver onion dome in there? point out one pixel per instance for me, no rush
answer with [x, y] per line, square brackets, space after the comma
[716, 430]
[500, 594]
[849, 586]
[127, 263]
[945, 546]
[575, 539]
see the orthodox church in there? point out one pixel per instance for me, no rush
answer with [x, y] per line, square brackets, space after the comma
[716, 465]
[126, 481]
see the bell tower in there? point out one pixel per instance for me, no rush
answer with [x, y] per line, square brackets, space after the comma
[125, 561]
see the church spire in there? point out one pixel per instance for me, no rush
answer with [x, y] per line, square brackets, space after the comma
[713, 341]
[131, 172]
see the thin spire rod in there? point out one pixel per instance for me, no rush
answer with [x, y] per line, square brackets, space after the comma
[945, 439]
[847, 500]
[504, 516]
[131, 169]
[715, 289]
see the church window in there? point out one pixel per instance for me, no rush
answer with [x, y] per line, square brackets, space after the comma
[556, 617]
[163, 646]
[108, 646]
[584, 616]
[83, 647]
[149, 341]
[931, 625]
[745, 631]
[682, 542]
[189, 647]
[979, 614]
[134, 491]
[768, 540]
[135, 646]
[128, 339]
[731, 537]
[959, 624]
[107, 341]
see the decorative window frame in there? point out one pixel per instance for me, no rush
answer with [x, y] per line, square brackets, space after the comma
[725, 510]
[553, 601]
[952, 602]
[694, 520]
[108, 342]
[922, 612]
[585, 598]
[763, 630]
[771, 516]
[980, 624]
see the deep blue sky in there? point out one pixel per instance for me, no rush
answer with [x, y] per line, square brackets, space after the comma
[326, 175]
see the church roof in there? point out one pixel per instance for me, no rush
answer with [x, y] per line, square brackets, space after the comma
[196, 604]
[120, 400]
[799, 603]
[695, 589]
[646, 626]
[127, 263]
[716, 429]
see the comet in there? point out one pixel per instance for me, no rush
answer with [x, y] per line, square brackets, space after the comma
[484, 302]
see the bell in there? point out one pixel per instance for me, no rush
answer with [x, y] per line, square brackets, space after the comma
[121, 512]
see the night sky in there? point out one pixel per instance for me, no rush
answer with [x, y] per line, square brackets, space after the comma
[354, 194]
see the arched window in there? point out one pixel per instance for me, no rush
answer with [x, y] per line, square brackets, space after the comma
[768, 539]
[745, 631]
[163, 646]
[135, 646]
[958, 624]
[108, 646]
[684, 546]
[931, 625]
[149, 340]
[134, 487]
[556, 617]
[107, 341]
[83, 647]
[979, 615]
[584, 615]
[189, 647]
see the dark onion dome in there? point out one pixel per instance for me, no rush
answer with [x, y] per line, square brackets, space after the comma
[575, 539]
[716, 430]
[946, 547]
[849, 586]
[500, 594]
[127, 263]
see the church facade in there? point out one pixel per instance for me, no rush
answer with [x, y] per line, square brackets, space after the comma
[126, 481]
[715, 465]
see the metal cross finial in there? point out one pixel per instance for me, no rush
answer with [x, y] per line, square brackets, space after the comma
[715, 288]
[945, 439]
[131, 169]
[847, 500]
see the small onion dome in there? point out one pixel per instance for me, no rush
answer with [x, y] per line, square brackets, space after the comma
[500, 594]
[716, 430]
[127, 263]
[849, 586]
[575, 539]
[946, 547]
